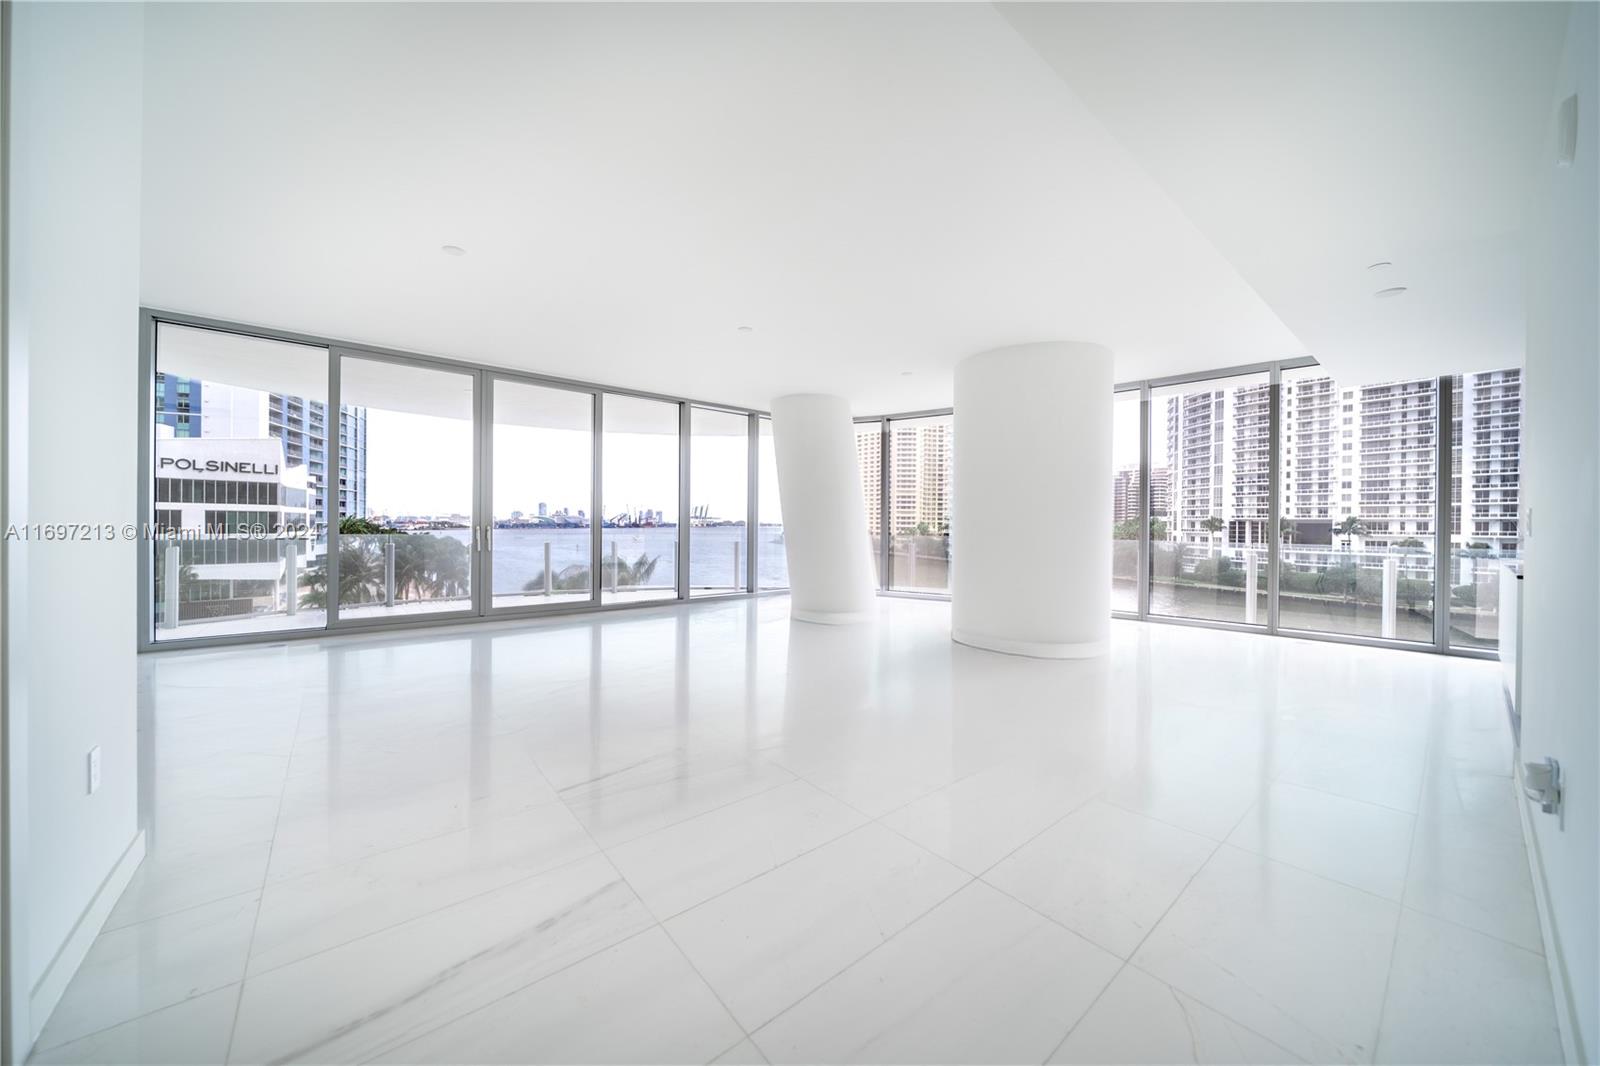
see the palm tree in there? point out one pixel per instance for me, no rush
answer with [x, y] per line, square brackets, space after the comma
[1350, 527]
[428, 567]
[360, 574]
[573, 578]
[576, 577]
[1213, 525]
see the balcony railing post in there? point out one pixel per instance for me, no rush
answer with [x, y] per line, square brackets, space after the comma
[169, 614]
[735, 566]
[388, 571]
[614, 563]
[1250, 585]
[1391, 597]
[291, 577]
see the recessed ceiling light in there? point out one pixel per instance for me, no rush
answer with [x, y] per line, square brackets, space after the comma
[905, 373]
[1379, 265]
[1384, 294]
[453, 249]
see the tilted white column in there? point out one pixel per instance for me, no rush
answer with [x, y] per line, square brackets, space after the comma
[1030, 522]
[824, 519]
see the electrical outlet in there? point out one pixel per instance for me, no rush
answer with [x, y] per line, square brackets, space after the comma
[94, 769]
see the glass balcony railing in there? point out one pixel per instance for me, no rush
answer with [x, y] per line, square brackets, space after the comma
[1386, 594]
[919, 562]
[230, 585]
[1217, 582]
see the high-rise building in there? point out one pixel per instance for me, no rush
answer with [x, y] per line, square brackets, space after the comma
[194, 408]
[1125, 494]
[869, 457]
[1369, 454]
[1488, 441]
[1218, 449]
[920, 464]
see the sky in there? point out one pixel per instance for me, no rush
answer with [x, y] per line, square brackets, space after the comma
[1125, 433]
[422, 464]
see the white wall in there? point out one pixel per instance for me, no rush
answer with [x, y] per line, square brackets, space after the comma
[72, 324]
[1561, 487]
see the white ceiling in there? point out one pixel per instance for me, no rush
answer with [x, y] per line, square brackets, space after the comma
[877, 190]
[1309, 140]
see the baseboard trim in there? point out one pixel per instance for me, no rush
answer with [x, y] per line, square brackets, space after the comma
[830, 618]
[1032, 649]
[53, 983]
[1555, 962]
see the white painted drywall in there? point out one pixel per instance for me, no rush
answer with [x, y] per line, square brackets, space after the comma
[73, 306]
[1032, 423]
[824, 517]
[1561, 523]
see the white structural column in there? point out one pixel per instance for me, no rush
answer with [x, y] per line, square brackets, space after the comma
[824, 520]
[1030, 523]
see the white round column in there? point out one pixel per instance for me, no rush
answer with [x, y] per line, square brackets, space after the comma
[824, 519]
[1030, 522]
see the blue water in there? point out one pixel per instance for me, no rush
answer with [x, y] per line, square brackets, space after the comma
[519, 553]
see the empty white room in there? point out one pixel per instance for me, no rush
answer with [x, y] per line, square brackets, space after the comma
[949, 533]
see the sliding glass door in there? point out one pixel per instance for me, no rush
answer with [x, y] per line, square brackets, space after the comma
[640, 456]
[540, 540]
[403, 507]
[239, 451]
[719, 496]
[292, 484]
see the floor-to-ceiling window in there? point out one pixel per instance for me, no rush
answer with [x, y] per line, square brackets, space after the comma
[869, 457]
[293, 484]
[1127, 502]
[1359, 506]
[239, 466]
[407, 535]
[771, 557]
[1485, 533]
[541, 494]
[719, 501]
[1210, 442]
[1350, 540]
[639, 511]
[921, 451]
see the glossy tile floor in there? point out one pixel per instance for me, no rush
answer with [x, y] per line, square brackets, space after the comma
[696, 834]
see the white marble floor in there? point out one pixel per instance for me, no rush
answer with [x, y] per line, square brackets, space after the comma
[697, 834]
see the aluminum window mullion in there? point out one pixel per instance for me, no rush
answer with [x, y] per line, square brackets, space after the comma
[885, 554]
[752, 525]
[330, 489]
[145, 546]
[1274, 489]
[1146, 498]
[1445, 461]
[685, 429]
[596, 489]
[483, 491]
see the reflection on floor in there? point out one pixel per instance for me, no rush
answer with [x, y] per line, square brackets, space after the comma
[703, 833]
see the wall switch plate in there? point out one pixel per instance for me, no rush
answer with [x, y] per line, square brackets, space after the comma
[94, 769]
